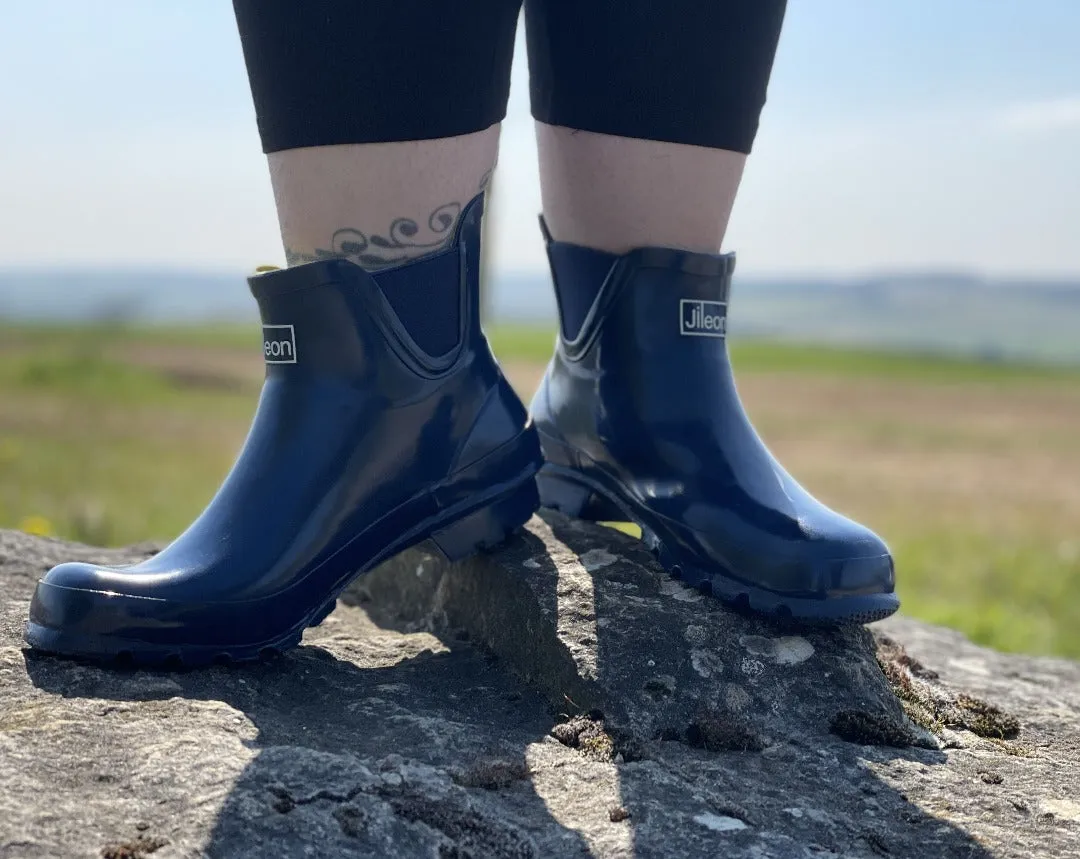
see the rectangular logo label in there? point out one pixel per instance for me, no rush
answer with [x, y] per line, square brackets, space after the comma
[702, 318]
[279, 344]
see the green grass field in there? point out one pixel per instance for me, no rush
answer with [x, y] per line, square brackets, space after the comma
[970, 470]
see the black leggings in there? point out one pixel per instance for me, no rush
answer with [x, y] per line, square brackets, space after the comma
[326, 72]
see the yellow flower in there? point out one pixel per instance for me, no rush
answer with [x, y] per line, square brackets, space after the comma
[626, 527]
[39, 526]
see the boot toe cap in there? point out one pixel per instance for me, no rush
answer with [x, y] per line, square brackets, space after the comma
[861, 574]
[78, 576]
[86, 597]
[839, 558]
[850, 559]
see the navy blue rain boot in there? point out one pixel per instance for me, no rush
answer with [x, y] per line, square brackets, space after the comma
[372, 434]
[639, 420]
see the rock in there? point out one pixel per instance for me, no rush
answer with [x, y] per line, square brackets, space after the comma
[560, 697]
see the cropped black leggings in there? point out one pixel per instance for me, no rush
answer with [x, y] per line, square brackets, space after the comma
[326, 72]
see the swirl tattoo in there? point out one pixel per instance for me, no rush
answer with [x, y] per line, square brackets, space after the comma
[400, 244]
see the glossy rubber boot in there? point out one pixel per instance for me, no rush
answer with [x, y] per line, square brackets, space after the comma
[640, 421]
[362, 445]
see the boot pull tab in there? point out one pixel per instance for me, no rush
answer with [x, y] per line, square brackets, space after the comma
[548, 238]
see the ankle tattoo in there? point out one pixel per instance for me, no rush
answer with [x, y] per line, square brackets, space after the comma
[404, 240]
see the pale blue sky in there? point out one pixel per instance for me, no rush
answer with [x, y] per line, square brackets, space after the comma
[914, 134]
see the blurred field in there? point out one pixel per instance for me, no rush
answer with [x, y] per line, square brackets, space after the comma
[971, 471]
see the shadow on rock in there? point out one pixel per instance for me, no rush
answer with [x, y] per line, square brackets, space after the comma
[418, 721]
[725, 733]
[395, 746]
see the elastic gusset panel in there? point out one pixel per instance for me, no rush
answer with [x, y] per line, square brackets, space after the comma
[578, 273]
[426, 297]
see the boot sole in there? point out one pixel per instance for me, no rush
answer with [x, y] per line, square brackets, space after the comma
[575, 495]
[457, 534]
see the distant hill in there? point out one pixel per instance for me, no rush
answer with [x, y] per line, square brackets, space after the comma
[997, 319]
[126, 295]
[992, 318]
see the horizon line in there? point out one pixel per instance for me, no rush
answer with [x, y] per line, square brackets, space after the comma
[861, 275]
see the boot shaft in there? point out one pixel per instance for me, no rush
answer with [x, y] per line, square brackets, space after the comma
[656, 331]
[392, 330]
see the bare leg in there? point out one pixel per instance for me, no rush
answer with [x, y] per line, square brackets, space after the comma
[378, 204]
[617, 193]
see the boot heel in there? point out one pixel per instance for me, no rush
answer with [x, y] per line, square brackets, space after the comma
[489, 525]
[573, 499]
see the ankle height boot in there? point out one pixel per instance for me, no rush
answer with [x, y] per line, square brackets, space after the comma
[363, 443]
[639, 420]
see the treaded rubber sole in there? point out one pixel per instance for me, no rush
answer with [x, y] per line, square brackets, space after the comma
[456, 535]
[569, 492]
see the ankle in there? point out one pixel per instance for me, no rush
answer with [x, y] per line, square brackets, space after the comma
[378, 205]
[618, 193]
